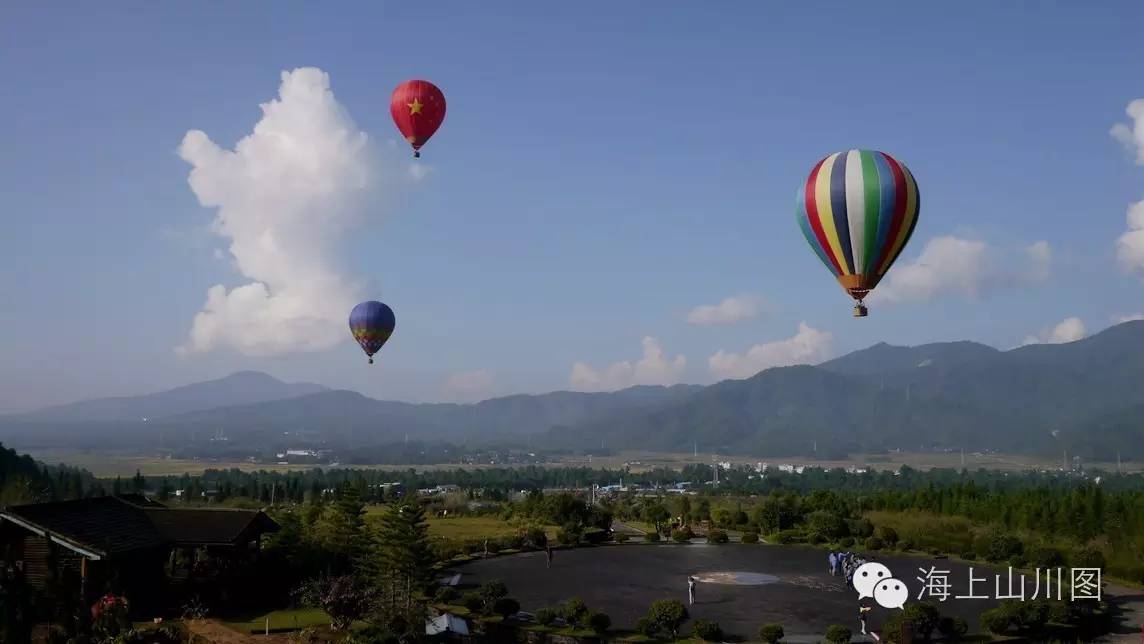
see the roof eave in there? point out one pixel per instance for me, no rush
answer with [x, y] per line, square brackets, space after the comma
[87, 551]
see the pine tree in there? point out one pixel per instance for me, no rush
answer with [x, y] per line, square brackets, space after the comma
[403, 560]
[345, 527]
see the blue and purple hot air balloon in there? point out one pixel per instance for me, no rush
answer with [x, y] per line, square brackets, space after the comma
[372, 323]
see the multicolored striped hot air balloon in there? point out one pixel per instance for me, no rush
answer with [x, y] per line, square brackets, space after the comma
[372, 323]
[857, 210]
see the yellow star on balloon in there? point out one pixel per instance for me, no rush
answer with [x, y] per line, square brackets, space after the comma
[415, 107]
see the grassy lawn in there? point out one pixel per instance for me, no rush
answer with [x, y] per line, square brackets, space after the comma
[283, 620]
[462, 528]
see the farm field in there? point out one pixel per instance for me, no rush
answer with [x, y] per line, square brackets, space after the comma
[112, 464]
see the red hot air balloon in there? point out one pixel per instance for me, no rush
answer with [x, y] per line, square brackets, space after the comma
[418, 108]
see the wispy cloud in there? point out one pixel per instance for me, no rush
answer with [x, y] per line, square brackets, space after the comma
[731, 310]
[1132, 135]
[469, 386]
[808, 346]
[958, 266]
[654, 368]
[1067, 330]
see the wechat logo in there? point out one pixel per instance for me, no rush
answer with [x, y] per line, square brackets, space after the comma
[875, 580]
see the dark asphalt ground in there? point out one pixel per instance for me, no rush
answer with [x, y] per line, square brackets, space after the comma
[624, 580]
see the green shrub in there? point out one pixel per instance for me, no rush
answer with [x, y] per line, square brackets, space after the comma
[1032, 615]
[491, 591]
[665, 616]
[717, 536]
[568, 537]
[816, 538]
[1087, 557]
[969, 555]
[708, 631]
[599, 622]
[750, 537]
[953, 628]
[828, 524]
[905, 545]
[546, 616]
[1017, 561]
[595, 536]
[472, 600]
[682, 535]
[771, 632]
[506, 606]
[998, 545]
[575, 611]
[887, 534]
[995, 620]
[790, 536]
[873, 543]
[652, 537]
[859, 528]
[645, 627]
[922, 619]
[534, 536]
[846, 542]
[838, 634]
[446, 594]
[621, 537]
[1045, 557]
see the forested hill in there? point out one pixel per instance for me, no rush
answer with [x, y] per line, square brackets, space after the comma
[1082, 397]
[24, 480]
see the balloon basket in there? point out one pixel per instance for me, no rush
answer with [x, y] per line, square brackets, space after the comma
[860, 311]
[371, 360]
[417, 155]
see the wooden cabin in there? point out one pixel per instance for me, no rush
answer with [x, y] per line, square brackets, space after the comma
[128, 544]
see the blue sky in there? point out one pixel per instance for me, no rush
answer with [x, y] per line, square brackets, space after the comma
[603, 170]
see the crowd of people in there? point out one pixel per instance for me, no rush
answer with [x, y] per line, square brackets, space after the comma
[845, 563]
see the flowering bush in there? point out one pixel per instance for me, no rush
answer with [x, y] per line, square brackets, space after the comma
[109, 616]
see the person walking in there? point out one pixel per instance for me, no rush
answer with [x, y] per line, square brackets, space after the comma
[690, 589]
[548, 554]
[862, 610]
[832, 559]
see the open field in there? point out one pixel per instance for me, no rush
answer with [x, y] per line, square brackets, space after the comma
[282, 620]
[463, 528]
[111, 464]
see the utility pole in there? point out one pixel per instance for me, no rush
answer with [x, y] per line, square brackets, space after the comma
[963, 458]
[1118, 461]
[695, 453]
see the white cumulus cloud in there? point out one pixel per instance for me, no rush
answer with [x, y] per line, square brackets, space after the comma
[469, 386]
[285, 196]
[1067, 330]
[729, 311]
[958, 266]
[654, 368]
[1132, 136]
[1130, 245]
[808, 346]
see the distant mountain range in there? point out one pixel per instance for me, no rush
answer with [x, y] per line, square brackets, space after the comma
[243, 387]
[957, 395]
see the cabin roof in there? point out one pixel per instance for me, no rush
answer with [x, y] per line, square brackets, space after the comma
[109, 526]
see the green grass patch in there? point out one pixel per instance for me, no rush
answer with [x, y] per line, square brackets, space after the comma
[282, 620]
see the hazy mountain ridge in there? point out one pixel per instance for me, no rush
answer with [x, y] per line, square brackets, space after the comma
[952, 395]
[238, 388]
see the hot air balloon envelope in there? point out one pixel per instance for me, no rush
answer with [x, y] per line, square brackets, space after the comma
[418, 108]
[371, 324]
[858, 210]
